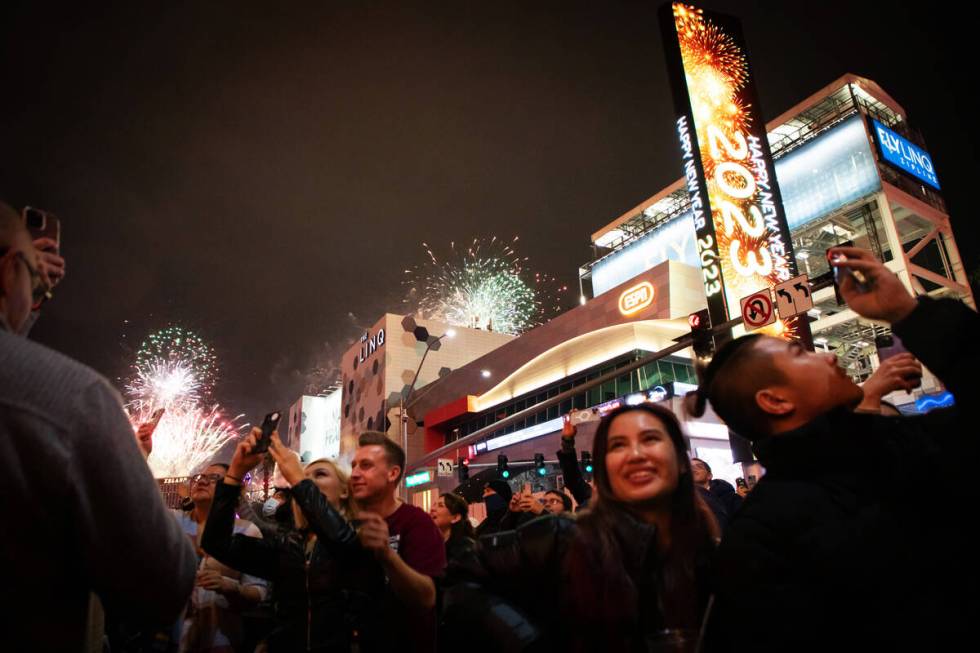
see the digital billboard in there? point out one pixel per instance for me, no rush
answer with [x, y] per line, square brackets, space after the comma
[829, 172]
[904, 155]
[743, 239]
[673, 241]
[314, 426]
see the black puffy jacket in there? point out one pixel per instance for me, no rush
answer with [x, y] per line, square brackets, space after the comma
[325, 597]
[539, 588]
[859, 536]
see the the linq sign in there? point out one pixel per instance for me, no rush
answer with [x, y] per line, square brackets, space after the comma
[902, 154]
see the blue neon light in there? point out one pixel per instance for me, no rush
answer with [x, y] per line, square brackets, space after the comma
[903, 154]
[925, 403]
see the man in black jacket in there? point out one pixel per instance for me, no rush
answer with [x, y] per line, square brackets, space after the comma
[853, 540]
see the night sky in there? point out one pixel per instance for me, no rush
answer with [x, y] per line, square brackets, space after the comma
[264, 172]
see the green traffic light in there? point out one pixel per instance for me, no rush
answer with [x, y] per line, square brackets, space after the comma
[588, 468]
[542, 471]
[505, 474]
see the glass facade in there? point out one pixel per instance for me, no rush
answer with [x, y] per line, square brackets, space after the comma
[827, 173]
[650, 375]
[674, 241]
[824, 175]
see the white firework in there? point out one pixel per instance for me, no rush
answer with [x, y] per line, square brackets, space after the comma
[187, 437]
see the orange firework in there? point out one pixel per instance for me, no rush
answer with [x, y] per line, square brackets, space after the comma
[785, 329]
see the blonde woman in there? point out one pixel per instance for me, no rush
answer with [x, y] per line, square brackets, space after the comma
[323, 582]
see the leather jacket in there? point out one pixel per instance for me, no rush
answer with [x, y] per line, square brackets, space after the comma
[325, 594]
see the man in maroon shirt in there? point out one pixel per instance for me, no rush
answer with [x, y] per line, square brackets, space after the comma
[402, 537]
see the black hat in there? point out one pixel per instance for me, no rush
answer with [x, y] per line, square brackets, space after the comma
[502, 488]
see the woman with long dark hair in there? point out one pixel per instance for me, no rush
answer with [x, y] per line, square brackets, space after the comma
[636, 572]
[451, 515]
[630, 572]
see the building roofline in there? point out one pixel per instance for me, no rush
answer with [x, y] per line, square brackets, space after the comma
[850, 78]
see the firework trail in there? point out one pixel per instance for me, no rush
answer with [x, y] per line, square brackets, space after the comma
[486, 285]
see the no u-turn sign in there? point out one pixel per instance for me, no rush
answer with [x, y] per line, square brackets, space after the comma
[757, 310]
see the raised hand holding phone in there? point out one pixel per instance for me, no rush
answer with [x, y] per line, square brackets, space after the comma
[880, 296]
[287, 460]
[245, 458]
[269, 424]
[144, 435]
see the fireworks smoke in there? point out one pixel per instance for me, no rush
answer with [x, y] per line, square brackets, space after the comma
[486, 285]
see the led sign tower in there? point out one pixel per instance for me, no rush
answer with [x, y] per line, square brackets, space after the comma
[743, 239]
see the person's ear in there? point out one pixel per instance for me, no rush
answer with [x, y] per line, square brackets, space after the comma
[773, 402]
[456, 518]
[393, 473]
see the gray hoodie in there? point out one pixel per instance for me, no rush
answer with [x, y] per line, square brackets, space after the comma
[90, 517]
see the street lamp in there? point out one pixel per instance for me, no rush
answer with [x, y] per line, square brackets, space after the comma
[432, 343]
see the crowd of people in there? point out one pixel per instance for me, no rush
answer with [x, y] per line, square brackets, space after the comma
[854, 539]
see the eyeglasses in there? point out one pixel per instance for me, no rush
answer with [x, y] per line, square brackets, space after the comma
[206, 478]
[38, 291]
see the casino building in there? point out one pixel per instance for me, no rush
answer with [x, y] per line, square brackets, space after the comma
[850, 168]
[379, 368]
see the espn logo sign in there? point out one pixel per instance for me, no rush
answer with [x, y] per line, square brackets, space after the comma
[635, 299]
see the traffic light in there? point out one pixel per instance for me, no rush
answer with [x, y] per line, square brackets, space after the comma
[502, 469]
[586, 462]
[539, 464]
[463, 470]
[701, 340]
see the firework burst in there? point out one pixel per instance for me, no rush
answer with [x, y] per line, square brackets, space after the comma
[187, 437]
[172, 359]
[486, 285]
[165, 383]
[175, 370]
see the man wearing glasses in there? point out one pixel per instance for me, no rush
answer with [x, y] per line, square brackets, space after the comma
[213, 618]
[96, 521]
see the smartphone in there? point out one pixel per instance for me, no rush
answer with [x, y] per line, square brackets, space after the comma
[888, 345]
[157, 416]
[42, 224]
[740, 482]
[269, 424]
[585, 415]
[860, 282]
